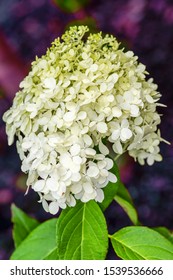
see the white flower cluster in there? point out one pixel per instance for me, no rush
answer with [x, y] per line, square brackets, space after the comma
[84, 92]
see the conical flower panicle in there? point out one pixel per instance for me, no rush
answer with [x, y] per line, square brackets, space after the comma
[81, 92]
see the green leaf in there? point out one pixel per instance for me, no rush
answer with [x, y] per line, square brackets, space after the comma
[124, 199]
[40, 244]
[82, 233]
[111, 189]
[141, 243]
[165, 232]
[23, 225]
[71, 6]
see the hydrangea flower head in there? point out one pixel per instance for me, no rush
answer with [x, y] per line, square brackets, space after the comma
[84, 91]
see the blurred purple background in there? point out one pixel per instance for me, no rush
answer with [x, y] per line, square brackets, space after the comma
[145, 26]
